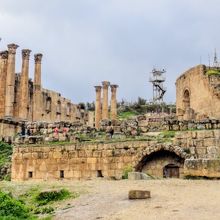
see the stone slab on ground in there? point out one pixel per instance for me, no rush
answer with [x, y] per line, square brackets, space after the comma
[138, 176]
[139, 194]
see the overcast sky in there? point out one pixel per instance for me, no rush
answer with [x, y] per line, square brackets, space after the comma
[87, 41]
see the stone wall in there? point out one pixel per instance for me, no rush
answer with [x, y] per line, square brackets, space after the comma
[8, 129]
[209, 168]
[87, 160]
[198, 94]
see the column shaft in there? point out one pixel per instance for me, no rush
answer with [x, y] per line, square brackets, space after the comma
[105, 86]
[113, 102]
[10, 81]
[24, 98]
[3, 74]
[98, 106]
[37, 105]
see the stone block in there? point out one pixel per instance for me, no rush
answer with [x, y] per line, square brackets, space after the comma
[139, 194]
[138, 176]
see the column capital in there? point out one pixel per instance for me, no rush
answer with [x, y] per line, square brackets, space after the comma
[98, 88]
[4, 54]
[105, 84]
[114, 86]
[12, 48]
[38, 57]
[26, 54]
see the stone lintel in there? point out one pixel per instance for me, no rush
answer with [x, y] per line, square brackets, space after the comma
[38, 57]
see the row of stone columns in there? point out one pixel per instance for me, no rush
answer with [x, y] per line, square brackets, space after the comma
[101, 107]
[7, 84]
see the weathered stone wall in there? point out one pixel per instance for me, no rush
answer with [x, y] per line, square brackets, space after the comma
[197, 94]
[8, 129]
[202, 168]
[89, 159]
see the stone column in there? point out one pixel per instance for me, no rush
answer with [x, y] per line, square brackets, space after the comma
[98, 113]
[37, 71]
[10, 81]
[105, 86]
[23, 109]
[37, 105]
[3, 74]
[114, 102]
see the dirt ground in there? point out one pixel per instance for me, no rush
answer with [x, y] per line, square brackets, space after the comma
[174, 199]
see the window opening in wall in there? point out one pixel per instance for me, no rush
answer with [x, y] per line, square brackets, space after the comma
[48, 104]
[30, 174]
[99, 173]
[61, 174]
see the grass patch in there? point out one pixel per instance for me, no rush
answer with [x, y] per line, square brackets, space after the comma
[43, 198]
[127, 115]
[126, 170]
[168, 134]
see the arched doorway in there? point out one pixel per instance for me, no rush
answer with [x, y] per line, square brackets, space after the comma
[162, 164]
[171, 171]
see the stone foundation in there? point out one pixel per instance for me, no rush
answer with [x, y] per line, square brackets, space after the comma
[202, 168]
[91, 160]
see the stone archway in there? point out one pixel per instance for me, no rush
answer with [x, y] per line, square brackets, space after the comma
[162, 161]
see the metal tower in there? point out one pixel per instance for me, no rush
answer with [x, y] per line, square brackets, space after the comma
[215, 63]
[157, 79]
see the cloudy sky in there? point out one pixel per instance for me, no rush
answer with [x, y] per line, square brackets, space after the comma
[87, 41]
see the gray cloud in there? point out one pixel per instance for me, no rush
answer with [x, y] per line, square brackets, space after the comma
[86, 42]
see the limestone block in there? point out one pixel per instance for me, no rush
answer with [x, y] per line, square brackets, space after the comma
[216, 134]
[57, 155]
[139, 194]
[213, 152]
[209, 142]
[138, 176]
[92, 160]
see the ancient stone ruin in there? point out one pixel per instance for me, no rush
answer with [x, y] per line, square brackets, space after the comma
[55, 139]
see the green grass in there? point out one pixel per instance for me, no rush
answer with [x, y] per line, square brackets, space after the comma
[168, 134]
[127, 115]
[126, 170]
[213, 72]
[43, 198]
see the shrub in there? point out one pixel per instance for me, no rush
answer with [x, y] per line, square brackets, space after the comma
[10, 208]
[44, 210]
[46, 197]
[213, 72]
[126, 170]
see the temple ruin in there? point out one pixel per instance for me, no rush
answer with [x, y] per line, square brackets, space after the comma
[101, 104]
[22, 99]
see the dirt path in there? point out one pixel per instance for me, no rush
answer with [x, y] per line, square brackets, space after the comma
[171, 199]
